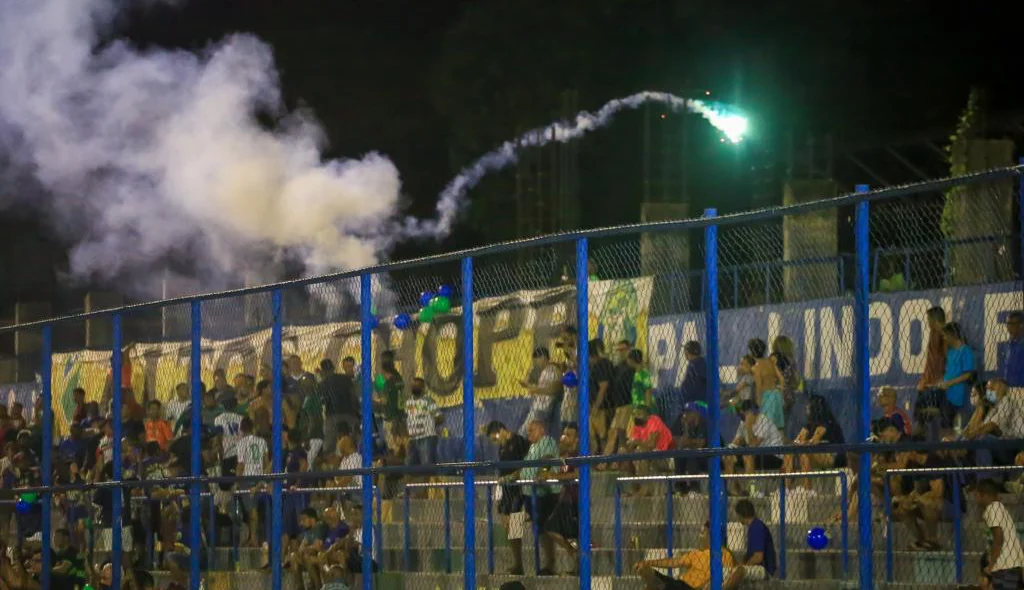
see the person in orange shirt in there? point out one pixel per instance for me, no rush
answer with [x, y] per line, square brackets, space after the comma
[695, 567]
[158, 430]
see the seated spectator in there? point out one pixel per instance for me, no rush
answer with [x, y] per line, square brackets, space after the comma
[511, 447]
[755, 431]
[67, 562]
[694, 566]
[337, 529]
[543, 394]
[821, 429]
[563, 525]
[690, 431]
[759, 563]
[891, 413]
[1005, 421]
[980, 409]
[649, 434]
[922, 501]
[157, 429]
[1002, 562]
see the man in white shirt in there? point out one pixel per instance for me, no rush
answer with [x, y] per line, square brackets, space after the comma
[549, 385]
[252, 460]
[1004, 421]
[181, 402]
[755, 430]
[1004, 559]
[230, 425]
[350, 459]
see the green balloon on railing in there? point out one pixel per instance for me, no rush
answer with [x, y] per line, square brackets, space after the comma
[426, 315]
[440, 304]
[379, 382]
[88, 587]
[30, 497]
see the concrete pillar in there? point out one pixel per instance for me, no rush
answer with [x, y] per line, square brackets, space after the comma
[976, 212]
[98, 331]
[666, 255]
[810, 235]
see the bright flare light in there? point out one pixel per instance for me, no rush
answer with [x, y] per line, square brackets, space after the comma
[724, 118]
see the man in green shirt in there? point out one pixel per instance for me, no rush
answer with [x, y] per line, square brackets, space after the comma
[310, 424]
[389, 403]
[643, 384]
[542, 446]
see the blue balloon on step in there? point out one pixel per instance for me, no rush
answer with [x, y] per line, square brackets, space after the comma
[445, 291]
[570, 379]
[817, 539]
[425, 298]
[403, 321]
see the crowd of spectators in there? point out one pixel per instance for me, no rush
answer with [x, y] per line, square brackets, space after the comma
[321, 419]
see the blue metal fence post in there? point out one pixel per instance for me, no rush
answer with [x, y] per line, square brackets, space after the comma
[583, 392]
[618, 528]
[1020, 206]
[862, 371]
[447, 530]
[715, 486]
[887, 507]
[490, 529]
[958, 545]
[468, 426]
[276, 360]
[844, 527]
[46, 393]
[669, 521]
[366, 411]
[782, 529]
[117, 503]
[195, 434]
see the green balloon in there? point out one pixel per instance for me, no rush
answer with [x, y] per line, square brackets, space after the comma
[426, 314]
[379, 382]
[30, 497]
[88, 587]
[440, 304]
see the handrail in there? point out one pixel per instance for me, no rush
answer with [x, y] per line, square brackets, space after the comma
[647, 227]
[702, 476]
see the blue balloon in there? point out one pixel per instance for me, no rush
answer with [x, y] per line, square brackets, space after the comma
[23, 507]
[403, 321]
[425, 298]
[817, 539]
[570, 379]
[446, 291]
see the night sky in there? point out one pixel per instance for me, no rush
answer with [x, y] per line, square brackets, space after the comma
[434, 83]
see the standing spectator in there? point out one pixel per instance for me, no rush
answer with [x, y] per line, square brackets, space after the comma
[959, 375]
[649, 434]
[157, 429]
[261, 410]
[78, 396]
[759, 562]
[422, 418]
[755, 430]
[563, 525]
[68, 563]
[619, 399]
[767, 379]
[297, 380]
[245, 390]
[221, 390]
[891, 413]
[695, 566]
[181, 400]
[230, 425]
[642, 391]
[695, 379]
[511, 447]
[1004, 560]
[350, 460]
[252, 460]
[745, 388]
[211, 410]
[690, 432]
[310, 427]
[601, 375]
[1013, 358]
[929, 403]
[389, 402]
[341, 405]
[549, 384]
[784, 355]
[542, 446]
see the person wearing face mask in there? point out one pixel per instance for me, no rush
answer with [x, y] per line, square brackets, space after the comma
[1004, 421]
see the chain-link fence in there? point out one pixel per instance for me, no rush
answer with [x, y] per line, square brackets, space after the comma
[704, 402]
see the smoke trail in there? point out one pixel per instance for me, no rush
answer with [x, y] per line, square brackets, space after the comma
[726, 119]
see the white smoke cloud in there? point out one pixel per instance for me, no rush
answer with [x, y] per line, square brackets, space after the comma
[143, 154]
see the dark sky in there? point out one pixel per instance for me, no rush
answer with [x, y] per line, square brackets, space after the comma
[432, 83]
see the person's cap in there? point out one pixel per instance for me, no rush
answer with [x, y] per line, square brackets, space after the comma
[697, 408]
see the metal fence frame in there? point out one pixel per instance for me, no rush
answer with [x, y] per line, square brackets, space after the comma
[709, 223]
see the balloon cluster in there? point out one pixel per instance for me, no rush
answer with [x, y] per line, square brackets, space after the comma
[432, 303]
[25, 502]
